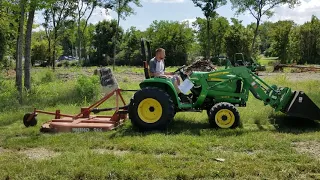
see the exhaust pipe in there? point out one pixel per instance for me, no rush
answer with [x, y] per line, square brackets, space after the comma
[302, 106]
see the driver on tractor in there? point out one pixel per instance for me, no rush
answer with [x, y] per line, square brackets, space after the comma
[157, 69]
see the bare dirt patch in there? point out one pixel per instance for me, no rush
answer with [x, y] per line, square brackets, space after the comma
[113, 151]
[39, 153]
[65, 76]
[129, 77]
[2, 150]
[309, 147]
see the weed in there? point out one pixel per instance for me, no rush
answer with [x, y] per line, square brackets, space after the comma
[87, 87]
[48, 76]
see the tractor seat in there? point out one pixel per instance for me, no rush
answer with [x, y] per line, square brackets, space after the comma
[146, 70]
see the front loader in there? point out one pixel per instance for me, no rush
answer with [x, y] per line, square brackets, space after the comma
[218, 92]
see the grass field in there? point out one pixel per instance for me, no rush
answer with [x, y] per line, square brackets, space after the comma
[267, 146]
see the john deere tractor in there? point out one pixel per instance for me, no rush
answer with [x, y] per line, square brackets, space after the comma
[240, 60]
[219, 93]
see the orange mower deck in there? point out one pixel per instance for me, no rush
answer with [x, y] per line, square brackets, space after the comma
[83, 122]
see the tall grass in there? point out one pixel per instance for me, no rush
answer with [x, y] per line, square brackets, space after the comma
[187, 149]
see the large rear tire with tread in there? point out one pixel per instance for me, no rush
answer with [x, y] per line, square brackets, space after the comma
[224, 115]
[151, 109]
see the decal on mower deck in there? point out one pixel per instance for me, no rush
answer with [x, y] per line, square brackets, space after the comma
[86, 129]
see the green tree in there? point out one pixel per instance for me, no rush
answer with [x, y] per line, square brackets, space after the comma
[130, 47]
[264, 34]
[83, 7]
[208, 8]
[238, 39]
[220, 27]
[19, 52]
[103, 40]
[56, 16]
[294, 49]
[258, 9]
[3, 41]
[280, 39]
[123, 10]
[39, 53]
[9, 19]
[69, 39]
[176, 38]
[88, 36]
[33, 5]
[306, 42]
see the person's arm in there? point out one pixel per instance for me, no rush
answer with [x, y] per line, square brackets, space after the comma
[167, 73]
[152, 68]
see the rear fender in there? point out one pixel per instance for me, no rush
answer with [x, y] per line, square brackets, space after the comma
[164, 84]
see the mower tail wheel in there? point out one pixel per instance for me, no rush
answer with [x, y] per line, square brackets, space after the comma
[33, 121]
[224, 115]
[151, 109]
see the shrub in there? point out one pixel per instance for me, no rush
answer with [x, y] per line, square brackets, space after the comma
[66, 63]
[8, 95]
[87, 87]
[48, 77]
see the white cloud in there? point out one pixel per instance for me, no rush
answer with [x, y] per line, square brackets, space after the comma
[164, 1]
[300, 14]
[98, 14]
[40, 28]
[190, 21]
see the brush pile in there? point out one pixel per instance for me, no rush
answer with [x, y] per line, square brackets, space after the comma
[200, 65]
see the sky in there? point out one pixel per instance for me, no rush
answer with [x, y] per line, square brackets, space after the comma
[184, 10]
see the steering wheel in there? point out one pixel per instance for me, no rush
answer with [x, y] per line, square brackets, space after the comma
[181, 73]
[179, 68]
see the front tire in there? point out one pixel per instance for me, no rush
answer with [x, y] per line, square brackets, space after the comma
[224, 115]
[151, 109]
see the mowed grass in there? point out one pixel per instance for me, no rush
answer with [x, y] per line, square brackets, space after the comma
[267, 146]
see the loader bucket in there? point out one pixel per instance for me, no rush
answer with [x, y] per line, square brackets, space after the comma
[302, 106]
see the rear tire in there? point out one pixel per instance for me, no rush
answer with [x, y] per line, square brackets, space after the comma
[33, 121]
[151, 109]
[224, 115]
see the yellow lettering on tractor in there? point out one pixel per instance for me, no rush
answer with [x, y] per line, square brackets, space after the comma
[215, 79]
[218, 73]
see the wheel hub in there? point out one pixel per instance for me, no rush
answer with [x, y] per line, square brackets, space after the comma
[225, 118]
[149, 110]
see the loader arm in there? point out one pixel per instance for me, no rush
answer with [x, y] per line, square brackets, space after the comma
[270, 95]
[295, 103]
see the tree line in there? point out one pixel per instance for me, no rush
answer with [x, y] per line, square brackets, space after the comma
[290, 42]
[67, 31]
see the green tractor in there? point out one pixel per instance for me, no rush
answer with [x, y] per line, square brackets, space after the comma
[240, 60]
[219, 93]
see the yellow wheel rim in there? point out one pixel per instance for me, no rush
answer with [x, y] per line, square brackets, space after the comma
[149, 110]
[225, 118]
